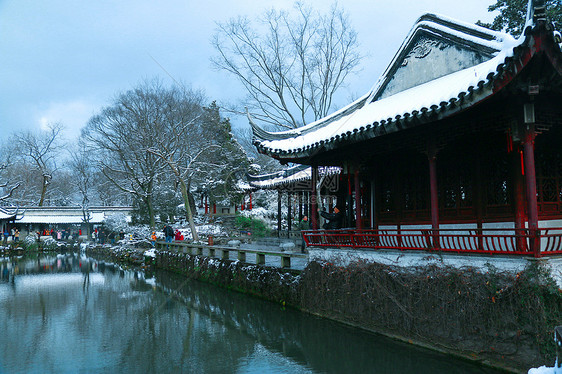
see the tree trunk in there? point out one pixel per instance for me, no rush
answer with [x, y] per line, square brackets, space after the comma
[188, 211]
[150, 204]
[44, 190]
[86, 217]
[184, 193]
[150, 208]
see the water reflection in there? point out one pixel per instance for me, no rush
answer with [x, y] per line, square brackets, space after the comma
[72, 314]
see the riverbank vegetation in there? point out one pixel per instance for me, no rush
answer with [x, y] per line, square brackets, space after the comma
[495, 316]
[257, 227]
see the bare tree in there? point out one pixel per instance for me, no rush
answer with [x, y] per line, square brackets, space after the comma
[62, 189]
[40, 151]
[119, 138]
[29, 184]
[154, 140]
[178, 135]
[7, 187]
[83, 173]
[292, 67]
[194, 142]
[108, 193]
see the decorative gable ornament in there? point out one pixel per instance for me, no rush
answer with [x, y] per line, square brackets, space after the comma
[435, 47]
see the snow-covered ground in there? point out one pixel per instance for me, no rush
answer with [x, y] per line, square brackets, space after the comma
[203, 229]
[545, 370]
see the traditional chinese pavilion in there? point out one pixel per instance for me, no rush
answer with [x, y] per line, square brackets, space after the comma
[455, 148]
[296, 183]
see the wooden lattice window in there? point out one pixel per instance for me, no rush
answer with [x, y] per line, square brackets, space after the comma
[387, 197]
[415, 187]
[455, 182]
[548, 165]
[496, 175]
[549, 172]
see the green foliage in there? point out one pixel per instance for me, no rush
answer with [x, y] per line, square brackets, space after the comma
[30, 245]
[166, 202]
[513, 14]
[256, 226]
[139, 213]
[230, 160]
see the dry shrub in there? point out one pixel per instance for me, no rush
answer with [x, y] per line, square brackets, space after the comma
[493, 315]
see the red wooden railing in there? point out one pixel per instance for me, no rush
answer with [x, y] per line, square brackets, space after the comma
[487, 241]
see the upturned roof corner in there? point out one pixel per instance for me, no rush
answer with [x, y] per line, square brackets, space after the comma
[260, 134]
[536, 13]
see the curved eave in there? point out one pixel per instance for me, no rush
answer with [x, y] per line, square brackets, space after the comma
[286, 177]
[385, 126]
[275, 181]
[260, 135]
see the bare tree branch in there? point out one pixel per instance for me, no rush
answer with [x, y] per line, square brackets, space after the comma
[292, 69]
[41, 149]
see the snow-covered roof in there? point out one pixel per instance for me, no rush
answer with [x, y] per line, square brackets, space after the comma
[60, 219]
[288, 176]
[7, 213]
[67, 215]
[400, 99]
[244, 186]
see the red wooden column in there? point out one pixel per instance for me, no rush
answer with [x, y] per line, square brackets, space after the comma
[313, 202]
[348, 213]
[289, 214]
[250, 201]
[519, 198]
[531, 184]
[358, 223]
[300, 195]
[278, 213]
[432, 158]
[478, 195]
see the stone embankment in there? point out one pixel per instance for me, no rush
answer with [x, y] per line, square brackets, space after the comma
[124, 255]
[500, 319]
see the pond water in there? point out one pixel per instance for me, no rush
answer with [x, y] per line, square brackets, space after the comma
[71, 314]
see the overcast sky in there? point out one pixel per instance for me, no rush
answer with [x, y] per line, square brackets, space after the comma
[63, 60]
